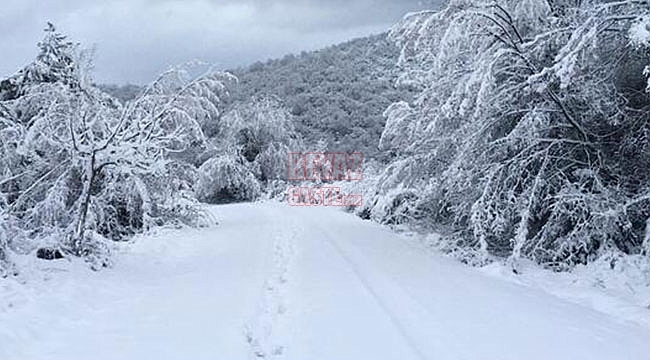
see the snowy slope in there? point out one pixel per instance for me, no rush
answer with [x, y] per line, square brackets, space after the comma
[277, 282]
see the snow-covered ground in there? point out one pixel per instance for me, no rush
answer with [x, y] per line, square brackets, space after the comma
[279, 282]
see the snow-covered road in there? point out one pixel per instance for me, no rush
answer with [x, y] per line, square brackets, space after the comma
[279, 282]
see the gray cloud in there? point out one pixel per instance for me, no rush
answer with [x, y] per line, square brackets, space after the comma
[137, 39]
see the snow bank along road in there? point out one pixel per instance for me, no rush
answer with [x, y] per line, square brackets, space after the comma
[279, 282]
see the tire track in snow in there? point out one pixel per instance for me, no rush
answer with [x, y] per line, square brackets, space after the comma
[411, 343]
[408, 300]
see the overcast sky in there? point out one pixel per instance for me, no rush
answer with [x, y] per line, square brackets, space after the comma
[137, 39]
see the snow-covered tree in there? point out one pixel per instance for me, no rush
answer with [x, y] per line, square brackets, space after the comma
[528, 138]
[57, 61]
[81, 168]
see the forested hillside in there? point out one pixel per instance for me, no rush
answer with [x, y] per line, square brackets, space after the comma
[337, 94]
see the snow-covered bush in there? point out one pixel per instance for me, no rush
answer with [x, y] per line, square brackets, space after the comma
[250, 145]
[529, 138]
[225, 179]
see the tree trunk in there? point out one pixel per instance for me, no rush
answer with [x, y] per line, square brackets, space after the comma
[88, 179]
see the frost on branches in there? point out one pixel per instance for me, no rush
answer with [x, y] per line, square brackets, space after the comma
[78, 168]
[529, 138]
